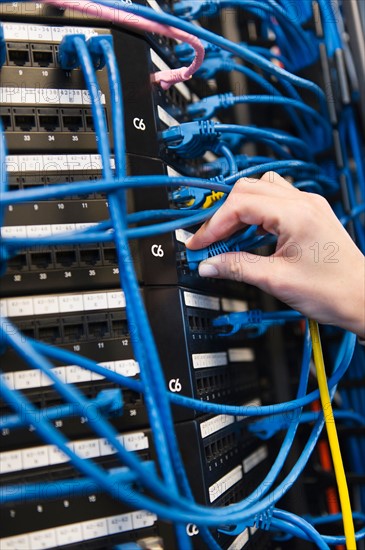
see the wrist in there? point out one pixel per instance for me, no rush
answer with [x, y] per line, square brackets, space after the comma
[354, 320]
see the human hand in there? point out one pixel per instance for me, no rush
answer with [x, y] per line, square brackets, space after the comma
[316, 268]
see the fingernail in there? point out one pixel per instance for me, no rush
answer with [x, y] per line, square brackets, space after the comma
[188, 241]
[207, 270]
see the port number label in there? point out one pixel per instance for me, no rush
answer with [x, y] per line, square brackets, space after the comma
[157, 251]
[175, 385]
[139, 124]
[192, 529]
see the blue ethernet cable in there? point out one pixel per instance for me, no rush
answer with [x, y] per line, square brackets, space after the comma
[117, 208]
[303, 531]
[346, 349]
[3, 170]
[193, 139]
[343, 360]
[288, 440]
[238, 50]
[290, 166]
[349, 181]
[136, 313]
[294, 530]
[107, 186]
[240, 242]
[207, 107]
[193, 10]
[266, 428]
[28, 413]
[303, 525]
[231, 323]
[15, 399]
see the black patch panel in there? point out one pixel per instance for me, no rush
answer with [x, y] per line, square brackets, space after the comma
[91, 522]
[172, 268]
[58, 124]
[21, 54]
[197, 364]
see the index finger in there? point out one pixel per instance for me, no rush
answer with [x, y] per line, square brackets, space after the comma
[237, 212]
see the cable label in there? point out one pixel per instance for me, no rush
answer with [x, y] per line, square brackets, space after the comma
[198, 300]
[206, 360]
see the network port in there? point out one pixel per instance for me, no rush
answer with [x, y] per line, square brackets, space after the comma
[49, 120]
[18, 54]
[40, 260]
[24, 120]
[72, 120]
[66, 258]
[5, 115]
[42, 55]
[89, 122]
[90, 256]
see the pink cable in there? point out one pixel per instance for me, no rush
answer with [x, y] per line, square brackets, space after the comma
[164, 78]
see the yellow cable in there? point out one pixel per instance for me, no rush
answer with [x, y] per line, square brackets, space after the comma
[333, 438]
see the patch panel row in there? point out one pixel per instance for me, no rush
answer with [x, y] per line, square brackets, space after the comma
[26, 119]
[225, 383]
[59, 258]
[76, 328]
[220, 446]
[22, 54]
[16, 183]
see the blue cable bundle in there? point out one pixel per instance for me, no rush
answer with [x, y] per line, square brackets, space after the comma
[163, 487]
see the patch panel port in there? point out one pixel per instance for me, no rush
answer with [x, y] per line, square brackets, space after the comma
[18, 54]
[42, 55]
[18, 262]
[110, 255]
[119, 327]
[5, 115]
[98, 329]
[48, 120]
[66, 258]
[74, 330]
[72, 120]
[24, 120]
[49, 333]
[89, 122]
[90, 256]
[40, 260]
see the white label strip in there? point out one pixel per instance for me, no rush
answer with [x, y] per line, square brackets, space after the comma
[46, 96]
[166, 118]
[206, 360]
[241, 354]
[160, 64]
[42, 33]
[62, 303]
[254, 459]
[198, 300]
[253, 403]
[182, 235]
[172, 172]
[49, 455]
[232, 305]
[71, 374]
[154, 5]
[215, 424]
[225, 483]
[79, 532]
[240, 541]
[55, 163]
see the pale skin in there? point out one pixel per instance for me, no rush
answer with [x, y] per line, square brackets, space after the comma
[316, 269]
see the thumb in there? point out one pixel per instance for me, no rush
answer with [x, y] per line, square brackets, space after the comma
[239, 266]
